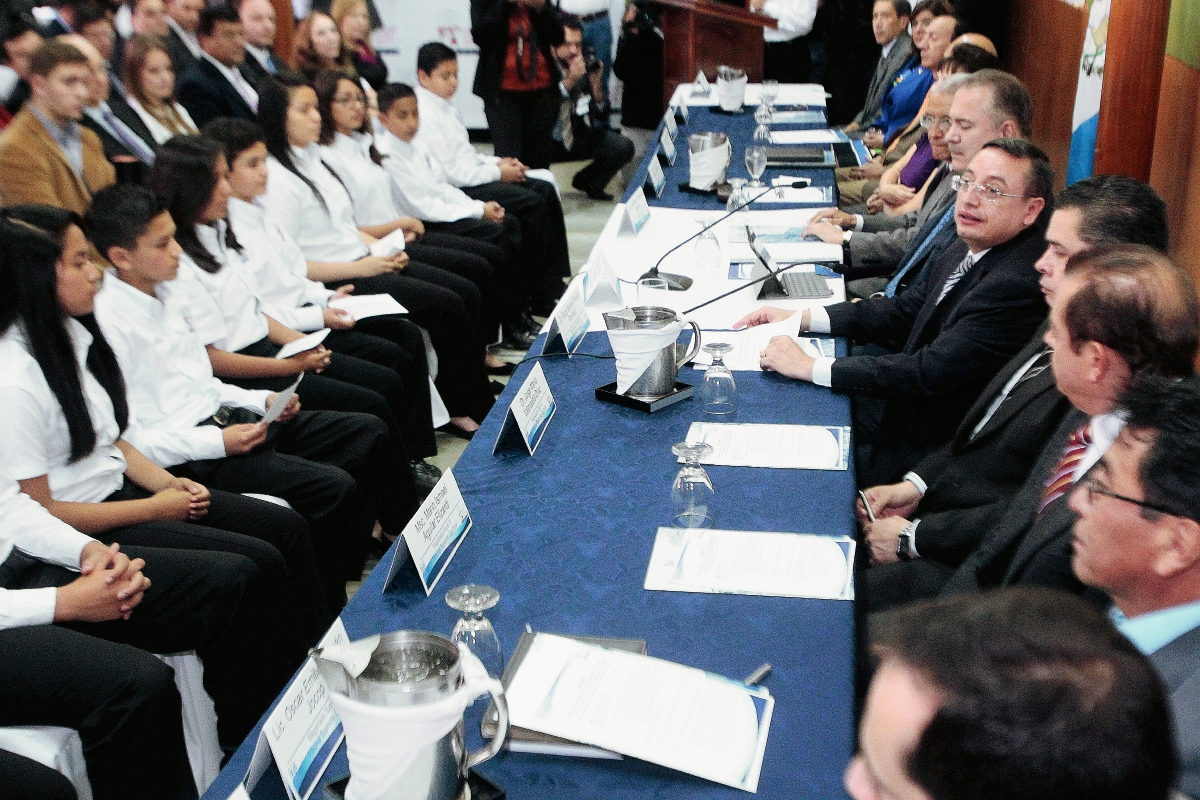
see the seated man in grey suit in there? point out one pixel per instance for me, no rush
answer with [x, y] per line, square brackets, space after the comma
[1138, 540]
[987, 105]
[889, 24]
[1015, 695]
[925, 525]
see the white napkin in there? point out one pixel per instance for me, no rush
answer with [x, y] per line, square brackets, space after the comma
[636, 349]
[732, 94]
[708, 166]
[383, 741]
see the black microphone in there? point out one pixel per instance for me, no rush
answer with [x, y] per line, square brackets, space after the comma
[681, 283]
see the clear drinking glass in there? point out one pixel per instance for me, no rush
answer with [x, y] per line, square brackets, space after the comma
[737, 195]
[770, 90]
[653, 292]
[707, 250]
[692, 492]
[756, 164]
[718, 393]
[474, 629]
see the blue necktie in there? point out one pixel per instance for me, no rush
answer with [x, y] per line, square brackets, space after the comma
[890, 291]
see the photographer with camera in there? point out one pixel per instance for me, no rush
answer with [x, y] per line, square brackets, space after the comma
[581, 130]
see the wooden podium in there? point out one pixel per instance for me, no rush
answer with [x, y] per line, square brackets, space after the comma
[705, 34]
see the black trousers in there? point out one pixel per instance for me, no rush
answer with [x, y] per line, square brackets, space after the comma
[505, 237]
[787, 62]
[609, 149]
[23, 778]
[100, 679]
[543, 251]
[484, 264]
[337, 470]
[522, 123]
[462, 379]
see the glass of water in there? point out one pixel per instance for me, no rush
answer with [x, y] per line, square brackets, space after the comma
[756, 165]
[653, 292]
[718, 393]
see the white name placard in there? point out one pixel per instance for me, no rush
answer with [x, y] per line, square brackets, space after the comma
[669, 121]
[569, 323]
[701, 86]
[681, 111]
[668, 147]
[434, 533]
[303, 732]
[637, 210]
[600, 284]
[529, 415]
[655, 174]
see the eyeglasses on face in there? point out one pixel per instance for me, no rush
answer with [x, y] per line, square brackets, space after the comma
[989, 193]
[941, 123]
[1094, 487]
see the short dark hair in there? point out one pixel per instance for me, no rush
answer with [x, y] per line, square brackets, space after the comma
[388, 95]
[432, 55]
[87, 13]
[120, 214]
[1039, 180]
[235, 136]
[15, 23]
[903, 8]
[1169, 409]
[1138, 303]
[1010, 98]
[939, 8]
[213, 14]
[51, 54]
[571, 21]
[1117, 210]
[968, 58]
[1041, 698]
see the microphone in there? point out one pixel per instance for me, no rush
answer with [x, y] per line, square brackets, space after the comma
[680, 283]
[779, 271]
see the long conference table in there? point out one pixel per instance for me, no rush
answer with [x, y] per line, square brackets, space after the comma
[565, 536]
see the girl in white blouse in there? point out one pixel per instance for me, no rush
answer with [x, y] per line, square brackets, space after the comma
[150, 84]
[65, 412]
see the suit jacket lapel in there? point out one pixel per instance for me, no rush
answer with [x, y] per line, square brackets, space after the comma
[40, 130]
[1176, 661]
[228, 88]
[994, 388]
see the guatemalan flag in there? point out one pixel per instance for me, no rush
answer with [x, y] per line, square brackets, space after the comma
[1087, 95]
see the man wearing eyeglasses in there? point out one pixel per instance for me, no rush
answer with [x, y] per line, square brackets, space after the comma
[949, 333]
[1137, 539]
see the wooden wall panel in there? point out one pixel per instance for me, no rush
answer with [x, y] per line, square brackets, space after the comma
[1175, 171]
[1045, 46]
[284, 27]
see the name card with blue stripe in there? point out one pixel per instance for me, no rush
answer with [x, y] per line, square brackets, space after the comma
[528, 415]
[433, 534]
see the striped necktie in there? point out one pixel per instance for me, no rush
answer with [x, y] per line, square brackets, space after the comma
[127, 137]
[894, 283]
[956, 276]
[1064, 473]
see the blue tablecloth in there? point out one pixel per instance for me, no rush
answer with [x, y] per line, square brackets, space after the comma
[566, 535]
[740, 129]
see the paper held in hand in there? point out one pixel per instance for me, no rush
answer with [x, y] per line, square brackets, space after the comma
[300, 345]
[280, 403]
[361, 306]
[752, 562]
[665, 713]
[779, 446]
[389, 245]
[433, 534]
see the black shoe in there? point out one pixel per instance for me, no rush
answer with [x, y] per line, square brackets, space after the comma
[425, 476]
[531, 325]
[590, 191]
[497, 387]
[516, 337]
[504, 369]
[454, 430]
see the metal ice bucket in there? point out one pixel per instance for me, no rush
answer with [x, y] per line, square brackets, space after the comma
[659, 378]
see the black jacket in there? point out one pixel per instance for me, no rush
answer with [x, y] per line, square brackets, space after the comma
[254, 72]
[639, 64]
[207, 95]
[947, 352]
[489, 29]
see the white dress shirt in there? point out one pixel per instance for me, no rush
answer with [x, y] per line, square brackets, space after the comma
[369, 184]
[26, 526]
[324, 232]
[34, 439]
[234, 77]
[168, 377]
[420, 185]
[160, 132]
[443, 133]
[795, 18]
[225, 310]
[278, 268]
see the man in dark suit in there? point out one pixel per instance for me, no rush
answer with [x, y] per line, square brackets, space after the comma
[889, 24]
[127, 141]
[947, 502]
[258, 21]
[1118, 313]
[952, 331]
[214, 87]
[1138, 540]
[183, 18]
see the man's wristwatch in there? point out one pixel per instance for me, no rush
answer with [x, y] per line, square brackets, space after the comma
[905, 549]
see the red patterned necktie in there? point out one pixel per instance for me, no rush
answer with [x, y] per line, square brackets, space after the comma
[1064, 474]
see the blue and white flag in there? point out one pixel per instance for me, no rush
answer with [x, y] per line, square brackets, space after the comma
[1087, 95]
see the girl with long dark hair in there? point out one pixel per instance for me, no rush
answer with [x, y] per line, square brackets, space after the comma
[309, 201]
[66, 412]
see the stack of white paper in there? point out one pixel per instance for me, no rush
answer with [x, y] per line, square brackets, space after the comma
[806, 137]
[361, 306]
[749, 342]
[778, 446]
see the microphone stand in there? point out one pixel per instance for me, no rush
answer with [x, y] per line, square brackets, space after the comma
[680, 283]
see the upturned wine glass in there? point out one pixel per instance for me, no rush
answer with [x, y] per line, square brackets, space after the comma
[474, 629]
[756, 164]
[692, 492]
[718, 392]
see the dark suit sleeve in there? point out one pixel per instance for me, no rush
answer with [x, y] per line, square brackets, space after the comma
[883, 320]
[199, 102]
[952, 535]
[992, 323]
[548, 24]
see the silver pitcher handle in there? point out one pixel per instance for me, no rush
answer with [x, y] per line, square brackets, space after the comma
[695, 348]
[496, 690]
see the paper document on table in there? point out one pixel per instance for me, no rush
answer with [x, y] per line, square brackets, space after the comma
[810, 194]
[816, 117]
[749, 342]
[777, 446]
[361, 306]
[665, 713]
[281, 401]
[752, 562]
[806, 137]
[304, 343]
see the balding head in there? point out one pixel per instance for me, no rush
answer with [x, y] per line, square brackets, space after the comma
[977, 39]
